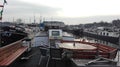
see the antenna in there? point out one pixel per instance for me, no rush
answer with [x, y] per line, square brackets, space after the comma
[40, 19]
[29, 20]
[13, 20]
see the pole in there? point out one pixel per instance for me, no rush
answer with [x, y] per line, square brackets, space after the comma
[0, 36]
[2, 10]
[97, 50]
[119, 47]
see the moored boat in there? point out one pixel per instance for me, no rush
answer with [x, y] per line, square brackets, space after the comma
[11, 34]
[75, 49]
[104, 50]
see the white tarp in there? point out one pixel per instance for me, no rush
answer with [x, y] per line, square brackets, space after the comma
[68, 38]
[40, 41]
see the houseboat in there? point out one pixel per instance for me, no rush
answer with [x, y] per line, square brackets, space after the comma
[103, 33]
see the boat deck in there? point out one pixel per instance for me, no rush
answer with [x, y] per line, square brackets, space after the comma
[34, 61]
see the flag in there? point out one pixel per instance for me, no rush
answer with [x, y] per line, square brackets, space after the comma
[1, 12]
[5, 1]
[1, 6]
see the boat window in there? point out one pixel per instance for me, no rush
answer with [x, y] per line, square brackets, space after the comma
[103, 33]
[55, 33]
[107, 34]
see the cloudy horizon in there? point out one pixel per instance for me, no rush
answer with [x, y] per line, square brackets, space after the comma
[70, 12]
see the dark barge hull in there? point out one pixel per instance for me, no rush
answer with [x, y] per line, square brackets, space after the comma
[114, 40]
[5, 40]
[78, 32]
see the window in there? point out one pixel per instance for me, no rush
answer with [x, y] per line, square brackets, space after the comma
[55, 33]
[100, 33]
[104, 33]
[107, 34]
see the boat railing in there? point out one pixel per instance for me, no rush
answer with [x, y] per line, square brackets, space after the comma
[11, 52]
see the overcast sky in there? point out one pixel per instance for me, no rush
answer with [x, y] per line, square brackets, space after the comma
[68, 11]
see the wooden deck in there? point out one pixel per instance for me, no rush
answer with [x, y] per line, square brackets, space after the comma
[104, 50]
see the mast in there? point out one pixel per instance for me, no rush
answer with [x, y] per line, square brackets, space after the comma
[40, 19]
[13, 20]
[34, 20]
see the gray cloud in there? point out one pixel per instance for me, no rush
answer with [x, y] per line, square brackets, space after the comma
[15, 7]
[18, 9]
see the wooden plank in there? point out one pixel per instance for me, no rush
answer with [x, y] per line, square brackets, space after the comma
[11, 52]
[13, 57]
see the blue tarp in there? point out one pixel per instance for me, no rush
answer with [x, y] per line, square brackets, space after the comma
[42, 25]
